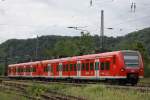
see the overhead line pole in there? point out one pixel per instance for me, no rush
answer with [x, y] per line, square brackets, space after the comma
[102, 32]
[37, 47]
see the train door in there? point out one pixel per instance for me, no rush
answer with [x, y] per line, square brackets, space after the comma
[91, 67]
[78, 69]
[73, 68]
[52, 70]
[97, 64]
[60, 70]
[82, 68]
[105, 67]
[49, 69]
[65, 69]
[56, 69]
[87, 68]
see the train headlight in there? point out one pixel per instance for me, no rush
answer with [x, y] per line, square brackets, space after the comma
[141, 70]
[122, 69]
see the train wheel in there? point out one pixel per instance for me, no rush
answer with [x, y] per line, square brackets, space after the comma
[122, 82]
[132, 79]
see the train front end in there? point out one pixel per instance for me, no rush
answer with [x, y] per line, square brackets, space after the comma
[133, 65]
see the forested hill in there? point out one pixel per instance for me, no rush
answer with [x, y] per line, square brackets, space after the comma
[49, 47]
[55, 46]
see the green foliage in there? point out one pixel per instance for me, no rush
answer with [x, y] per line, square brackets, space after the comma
[10, 96]
[97, 92]
[85, 43]
[36, 90]
[2, 68]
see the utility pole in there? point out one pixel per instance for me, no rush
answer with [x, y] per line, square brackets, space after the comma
[6, 66]
[37, 47]
[102, 32]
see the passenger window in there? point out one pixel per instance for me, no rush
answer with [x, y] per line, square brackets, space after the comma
[87, 66]
[82, 66]
[27, 69]
[57, 69]
[107, 65]
[34, 69]
[45, 69]
[102, 66]
[71, 67]
[66, 67]
[75, 68]
[15, 69]
[91, 66]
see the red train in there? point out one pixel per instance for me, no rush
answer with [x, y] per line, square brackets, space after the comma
[124, 66]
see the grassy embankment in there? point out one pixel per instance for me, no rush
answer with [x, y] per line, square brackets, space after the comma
[90, 92]
[10, 96]
[96, 92]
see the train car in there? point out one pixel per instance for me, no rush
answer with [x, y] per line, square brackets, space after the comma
[125, 66]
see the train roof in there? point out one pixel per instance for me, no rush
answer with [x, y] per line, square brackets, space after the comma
[90, 56]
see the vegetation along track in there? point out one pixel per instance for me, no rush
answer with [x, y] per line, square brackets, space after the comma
[22, 86]
[36, 92]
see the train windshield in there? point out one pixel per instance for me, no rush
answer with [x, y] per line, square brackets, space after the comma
[131, 59]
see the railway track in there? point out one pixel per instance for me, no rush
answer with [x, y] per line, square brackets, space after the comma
[139, 86]
[20, 87]
[55, 95]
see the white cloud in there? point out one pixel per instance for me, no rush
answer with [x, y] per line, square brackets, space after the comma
[26, 18]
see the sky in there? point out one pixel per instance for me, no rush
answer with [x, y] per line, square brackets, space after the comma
[23, 19]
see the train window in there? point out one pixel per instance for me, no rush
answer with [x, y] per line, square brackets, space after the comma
[24, 69]
[64, 67]
[75, 68]
[91, 66]
[102, 66]
[87, 66]
[14, 69]
[67, 67]
[21, 69]
[18, 69]
[28, 69]
[46, 69]
[96, 65]
[82, 66]
[34, 69]
[71, 67]
[107, 65]
[57, 69]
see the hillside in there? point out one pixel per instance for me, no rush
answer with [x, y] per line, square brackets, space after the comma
[20, 47]
[21, 50]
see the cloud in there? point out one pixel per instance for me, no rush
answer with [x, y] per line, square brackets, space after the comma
[26, 18]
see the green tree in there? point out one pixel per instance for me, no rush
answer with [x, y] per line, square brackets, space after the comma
[86, 43]
[66, 47]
